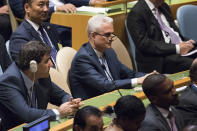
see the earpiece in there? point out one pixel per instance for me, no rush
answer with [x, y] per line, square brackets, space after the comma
[33, 66]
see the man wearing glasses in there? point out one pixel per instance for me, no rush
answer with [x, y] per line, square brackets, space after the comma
[96, 69]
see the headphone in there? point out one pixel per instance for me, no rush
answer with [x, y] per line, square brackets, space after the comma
[33, 66]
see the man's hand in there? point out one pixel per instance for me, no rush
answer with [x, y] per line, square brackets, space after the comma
[4, 9]
[93, 2]
[70, 108]
[68, 8]
[185, 47]
[141, 79]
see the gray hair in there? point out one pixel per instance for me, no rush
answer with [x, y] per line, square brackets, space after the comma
[95, 22]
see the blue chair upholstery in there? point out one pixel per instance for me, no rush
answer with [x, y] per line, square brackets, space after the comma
[187, 21]
[132, 46]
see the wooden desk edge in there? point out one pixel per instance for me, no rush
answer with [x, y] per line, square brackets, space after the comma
[68, 125]
[111, 3]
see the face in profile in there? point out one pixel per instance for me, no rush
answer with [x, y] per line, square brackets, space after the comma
[103, 37]
[44, 67]
[166, 94]
[37, 11]
[93, 123]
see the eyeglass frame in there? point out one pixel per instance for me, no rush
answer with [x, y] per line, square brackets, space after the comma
[107, 35]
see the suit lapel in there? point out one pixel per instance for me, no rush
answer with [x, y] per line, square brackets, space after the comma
[160, 118]
[31, 30]
[94, 58]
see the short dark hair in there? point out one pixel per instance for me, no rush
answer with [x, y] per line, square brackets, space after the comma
[151, 83]
[83, 113]
[129, 107]
[27, 1]
[33, 50]
[193, 72]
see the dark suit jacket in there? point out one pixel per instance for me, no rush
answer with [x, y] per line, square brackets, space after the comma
[88, 79]
[14, 97]
[154, 121]
[188, 105]
[151, 49]
[4, 57]
[25, 33]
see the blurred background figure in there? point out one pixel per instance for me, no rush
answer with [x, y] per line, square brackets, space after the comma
[129, 113]
[88, 118]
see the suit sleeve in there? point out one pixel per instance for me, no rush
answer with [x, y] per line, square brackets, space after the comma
[78, 3]
[147, 38]
[13, 99]
[58, 96]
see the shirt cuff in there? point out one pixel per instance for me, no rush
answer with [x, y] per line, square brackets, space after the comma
[133, 82]
[55, 8]
[57, 114]
[177, 49]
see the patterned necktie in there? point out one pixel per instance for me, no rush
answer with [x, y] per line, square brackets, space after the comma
[171, 118]
[105, 68]
[48, 42]
[173, 36]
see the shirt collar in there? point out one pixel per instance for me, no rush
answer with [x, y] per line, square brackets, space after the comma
[35, 26]
[28, 82]
[163, 111]
[98, 53]
[150, 5]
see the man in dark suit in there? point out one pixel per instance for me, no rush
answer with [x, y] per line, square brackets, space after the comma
[95, 68]
[159, 44]
[5, 26]
[4, 57]
[26, 88]
[160, 114]
[188, 104]
[33, 28]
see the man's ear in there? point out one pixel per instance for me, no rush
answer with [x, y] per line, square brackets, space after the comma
[92, 35]
[77, 128]
[26, 7]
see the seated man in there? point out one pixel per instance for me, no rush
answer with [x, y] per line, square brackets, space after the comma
[34, 28]
[129, 113]
[188, 104]
[159, 44]
[88, 118]
[160, 114]
[95, 68]
[4, 57]
[26, 89]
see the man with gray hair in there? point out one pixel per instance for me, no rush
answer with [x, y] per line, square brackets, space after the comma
[96, 69]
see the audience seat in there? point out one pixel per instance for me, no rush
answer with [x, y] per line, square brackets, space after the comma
[132, 46]
[187, 21]
[57, 78]
[122, 53]
[63, 61]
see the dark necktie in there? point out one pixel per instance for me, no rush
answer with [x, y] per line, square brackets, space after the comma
[33, 100]
[48, 42]
[173, 36]
[171, 118]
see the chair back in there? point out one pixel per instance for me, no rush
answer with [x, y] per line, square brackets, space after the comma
[122, 53]
[13, 20]
[57, 78]
[132, 46]
[187, 19]
[63, 61]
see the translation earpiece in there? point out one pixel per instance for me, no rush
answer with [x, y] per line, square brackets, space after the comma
[33, 66]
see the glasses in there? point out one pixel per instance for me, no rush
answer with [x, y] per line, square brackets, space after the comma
[108, 35]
